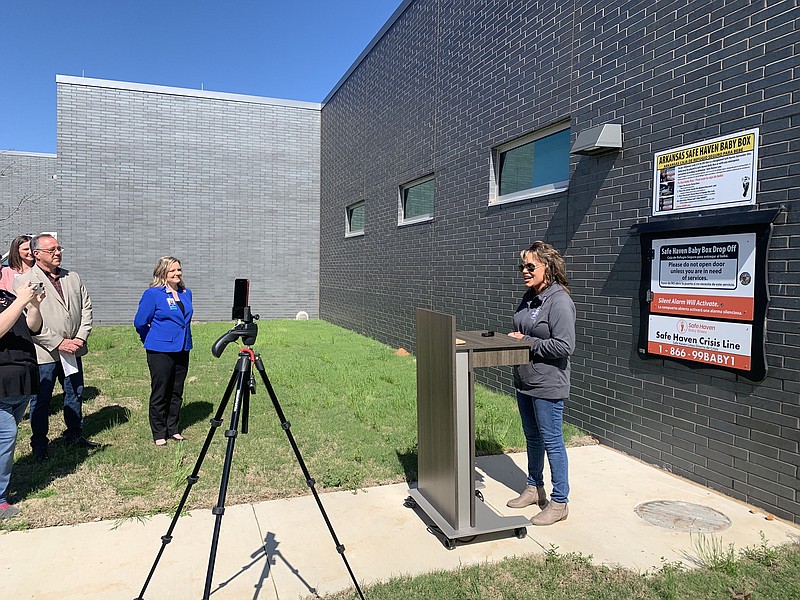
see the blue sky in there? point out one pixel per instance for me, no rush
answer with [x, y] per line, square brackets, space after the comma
[295, 50]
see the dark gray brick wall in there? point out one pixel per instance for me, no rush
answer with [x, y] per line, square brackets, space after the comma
[450, 80]
[229, 186]
[28, 194]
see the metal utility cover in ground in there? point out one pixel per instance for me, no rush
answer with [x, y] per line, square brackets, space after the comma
[683, 516]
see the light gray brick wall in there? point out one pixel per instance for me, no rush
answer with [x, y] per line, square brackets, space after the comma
[229, 185]
[28, 194]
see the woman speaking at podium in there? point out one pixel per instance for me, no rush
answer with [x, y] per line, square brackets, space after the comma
[546, 319]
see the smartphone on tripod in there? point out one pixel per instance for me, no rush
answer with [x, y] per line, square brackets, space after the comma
[241, 299]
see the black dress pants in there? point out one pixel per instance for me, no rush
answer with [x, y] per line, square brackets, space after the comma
[167, 376]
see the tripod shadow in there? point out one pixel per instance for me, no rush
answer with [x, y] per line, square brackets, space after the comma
[270, 552]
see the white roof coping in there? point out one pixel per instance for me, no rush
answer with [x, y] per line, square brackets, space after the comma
[33, 154]
[174, 91]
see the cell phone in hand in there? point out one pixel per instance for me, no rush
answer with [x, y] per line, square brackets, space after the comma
[38, 287]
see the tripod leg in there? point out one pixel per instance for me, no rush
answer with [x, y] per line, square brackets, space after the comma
[286, 426]
[241, 401]
[191, 479]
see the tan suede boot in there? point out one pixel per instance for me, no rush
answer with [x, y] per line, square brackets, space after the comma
[530, 495]
[553, 513]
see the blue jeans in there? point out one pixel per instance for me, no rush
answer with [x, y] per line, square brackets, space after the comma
[40, 406]
[542, 420]
[11, 411]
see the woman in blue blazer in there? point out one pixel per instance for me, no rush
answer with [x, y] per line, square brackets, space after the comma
[164, 322]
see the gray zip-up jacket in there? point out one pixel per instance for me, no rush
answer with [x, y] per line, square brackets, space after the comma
[547, 321]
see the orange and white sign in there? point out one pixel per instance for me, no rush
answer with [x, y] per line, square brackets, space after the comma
[710, 342]
[709, 276]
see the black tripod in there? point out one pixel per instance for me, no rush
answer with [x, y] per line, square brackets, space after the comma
[245, 384]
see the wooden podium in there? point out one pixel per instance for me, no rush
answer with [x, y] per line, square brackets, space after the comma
[445, 490]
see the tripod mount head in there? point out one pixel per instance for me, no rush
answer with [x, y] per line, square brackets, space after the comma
[245, 329]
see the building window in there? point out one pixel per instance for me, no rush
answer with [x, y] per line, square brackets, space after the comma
[354, 220]
[534, 165]
[416, 201]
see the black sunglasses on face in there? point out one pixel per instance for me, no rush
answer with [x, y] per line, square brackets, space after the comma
[530, 267]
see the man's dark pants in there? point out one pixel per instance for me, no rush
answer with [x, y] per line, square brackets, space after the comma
[40, 406]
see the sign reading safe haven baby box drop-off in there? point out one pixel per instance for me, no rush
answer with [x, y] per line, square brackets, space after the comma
[703, 291]
[711, 342]
[708, 276]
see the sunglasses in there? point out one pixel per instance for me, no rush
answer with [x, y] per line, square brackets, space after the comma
[530, 267]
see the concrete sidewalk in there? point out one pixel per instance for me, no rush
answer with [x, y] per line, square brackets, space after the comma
[282, 549]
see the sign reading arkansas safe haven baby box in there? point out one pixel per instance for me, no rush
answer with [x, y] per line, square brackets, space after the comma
[715, 173]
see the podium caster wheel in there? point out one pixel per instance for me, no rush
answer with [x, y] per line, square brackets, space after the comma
[410, 502]
[479, 495]
[450, 544]
[521, 532]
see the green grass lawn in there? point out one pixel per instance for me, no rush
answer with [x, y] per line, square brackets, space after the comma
[351, 402]
[757, 573]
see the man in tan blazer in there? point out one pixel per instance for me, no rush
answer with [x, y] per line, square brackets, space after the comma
[67, 322]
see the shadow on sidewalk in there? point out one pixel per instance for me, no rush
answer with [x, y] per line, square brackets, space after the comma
[270, 552]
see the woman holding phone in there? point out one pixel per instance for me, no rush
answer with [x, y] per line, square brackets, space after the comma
[163, 322]
[19, 375]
